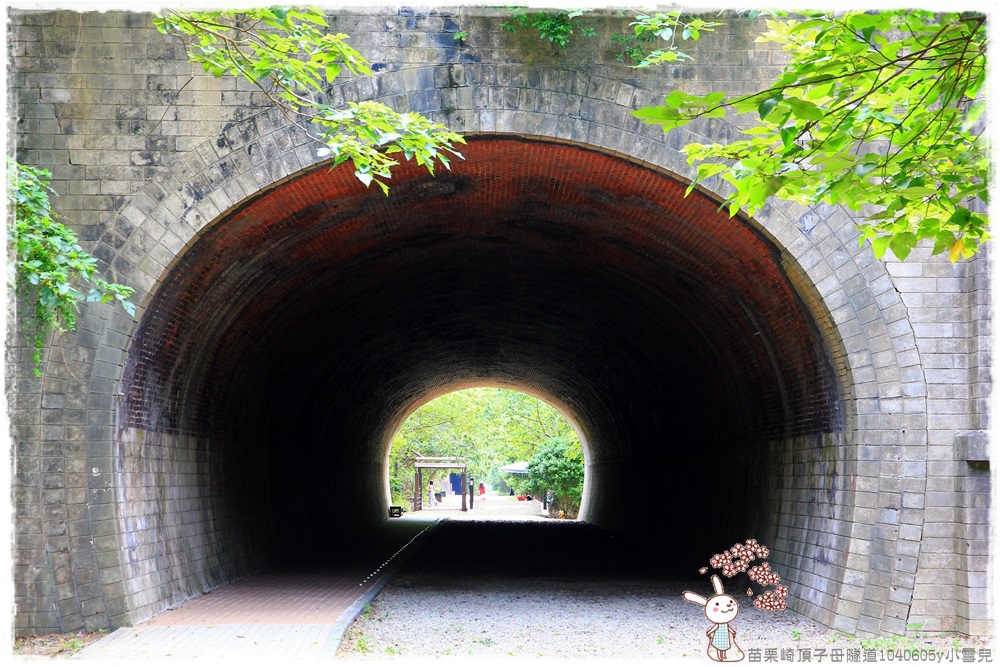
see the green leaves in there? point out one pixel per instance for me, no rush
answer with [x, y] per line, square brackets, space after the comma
[489, 426]
[680, 108]
[874, 109]
[49, 265]
[803, 110]
[767, 106]
[556, 28]
[369, 133]
[663, 28]
[554, 468]
[289, 54]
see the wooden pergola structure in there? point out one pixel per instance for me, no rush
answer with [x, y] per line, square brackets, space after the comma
[440, 462]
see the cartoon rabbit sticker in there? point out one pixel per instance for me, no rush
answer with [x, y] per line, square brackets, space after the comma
[720, 609]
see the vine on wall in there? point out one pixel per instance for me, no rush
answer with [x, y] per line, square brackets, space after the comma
[47, 267]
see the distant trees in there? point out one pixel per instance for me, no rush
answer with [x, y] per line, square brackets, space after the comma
[488, 426]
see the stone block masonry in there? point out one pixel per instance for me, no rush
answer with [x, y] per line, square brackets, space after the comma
[289, 319]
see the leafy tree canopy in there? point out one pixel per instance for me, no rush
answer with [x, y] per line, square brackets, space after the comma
[488, 426]
[291, 55]
[881, 109]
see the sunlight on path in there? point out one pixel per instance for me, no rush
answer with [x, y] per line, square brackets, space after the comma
[493, 508]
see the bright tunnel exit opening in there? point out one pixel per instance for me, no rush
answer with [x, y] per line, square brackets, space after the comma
[515, 448]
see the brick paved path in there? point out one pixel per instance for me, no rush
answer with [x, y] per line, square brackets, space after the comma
[293, 613]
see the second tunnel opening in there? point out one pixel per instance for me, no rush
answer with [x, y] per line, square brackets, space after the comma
[282, 350]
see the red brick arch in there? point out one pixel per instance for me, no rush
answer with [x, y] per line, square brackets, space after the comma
[292, 337]
[718, 283]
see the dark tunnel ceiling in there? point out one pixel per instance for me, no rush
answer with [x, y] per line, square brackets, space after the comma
[578, 275]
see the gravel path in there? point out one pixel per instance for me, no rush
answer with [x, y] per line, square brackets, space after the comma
[589, 606]
[533, 617]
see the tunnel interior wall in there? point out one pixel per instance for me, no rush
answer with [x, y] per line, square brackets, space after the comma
[184, 532]
[197, 514]
[795, 496]
[805, 511]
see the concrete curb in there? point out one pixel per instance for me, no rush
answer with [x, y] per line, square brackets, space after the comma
[348, 617]
[96, 646]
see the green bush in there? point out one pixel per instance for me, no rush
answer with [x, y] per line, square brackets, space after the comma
[557, 469]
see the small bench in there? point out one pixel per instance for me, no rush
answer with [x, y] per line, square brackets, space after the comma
[395, 510]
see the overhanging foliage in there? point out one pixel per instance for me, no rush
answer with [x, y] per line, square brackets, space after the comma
[50, 269]
[292, 57]
[879, 109]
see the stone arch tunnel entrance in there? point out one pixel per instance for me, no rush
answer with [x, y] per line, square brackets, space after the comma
[284, 347]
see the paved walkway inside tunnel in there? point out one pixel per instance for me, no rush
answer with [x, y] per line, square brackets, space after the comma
[296, 614]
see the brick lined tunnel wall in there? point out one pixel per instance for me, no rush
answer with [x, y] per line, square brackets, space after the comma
[288, 320]
[294, 335]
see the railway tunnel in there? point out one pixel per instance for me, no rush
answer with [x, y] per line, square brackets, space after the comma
[291, 338]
